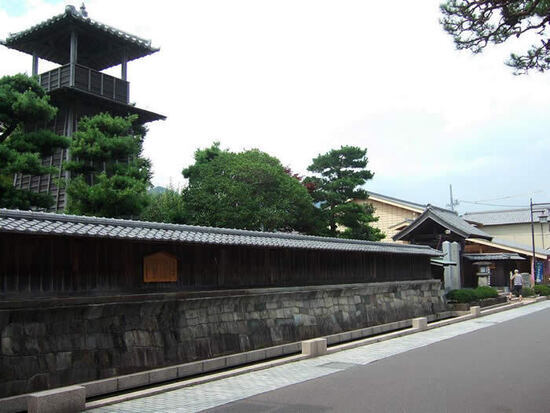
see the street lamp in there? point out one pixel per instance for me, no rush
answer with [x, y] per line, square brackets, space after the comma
[543, 218]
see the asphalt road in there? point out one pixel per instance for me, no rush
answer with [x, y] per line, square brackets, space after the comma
[502, 368]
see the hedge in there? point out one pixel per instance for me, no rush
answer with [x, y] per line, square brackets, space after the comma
[527, 292]
[467, 295]
[542, 289]
[485, 292]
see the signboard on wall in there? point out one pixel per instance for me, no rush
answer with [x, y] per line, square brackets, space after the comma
[160, 267]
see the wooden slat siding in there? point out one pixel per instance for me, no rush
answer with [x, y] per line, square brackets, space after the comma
[53, 264]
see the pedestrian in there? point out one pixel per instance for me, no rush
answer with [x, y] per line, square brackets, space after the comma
[517, 283]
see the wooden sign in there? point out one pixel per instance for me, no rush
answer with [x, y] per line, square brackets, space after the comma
[160, 267]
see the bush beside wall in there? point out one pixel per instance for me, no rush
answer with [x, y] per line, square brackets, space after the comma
[467, 295]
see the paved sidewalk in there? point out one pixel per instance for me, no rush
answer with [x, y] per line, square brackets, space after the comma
[217, 393]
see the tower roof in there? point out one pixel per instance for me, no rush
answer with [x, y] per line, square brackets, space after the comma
[99, 46]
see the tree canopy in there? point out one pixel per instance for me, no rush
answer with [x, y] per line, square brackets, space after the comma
[339, 175]
[245, 190]
[476, 23]
[24, 110]
[109, 176]
[165, 206]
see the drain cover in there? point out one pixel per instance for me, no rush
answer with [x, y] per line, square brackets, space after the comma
[338, 365]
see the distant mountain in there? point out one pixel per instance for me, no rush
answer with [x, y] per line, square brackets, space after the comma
[158, 190]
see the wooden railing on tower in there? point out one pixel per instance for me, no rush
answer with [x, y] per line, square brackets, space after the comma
[88, 80]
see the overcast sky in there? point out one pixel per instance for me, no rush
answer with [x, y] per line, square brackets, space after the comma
[298, 78]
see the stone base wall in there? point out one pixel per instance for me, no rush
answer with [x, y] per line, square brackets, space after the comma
[56, 345]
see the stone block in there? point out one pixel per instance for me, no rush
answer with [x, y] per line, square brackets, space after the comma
[235, 359]
[14, 404]
[98, 387]
[213, 364]
[164, 374]
[62, 400]
[271, 352]
[131, 381]
[333, 339]
[403, 324]
[420, 323]
[345, 336]
[255, 355]
[291, 348]
[314, 347]
[475, 310]
[356, 334]
[365, 332]
[190, 369]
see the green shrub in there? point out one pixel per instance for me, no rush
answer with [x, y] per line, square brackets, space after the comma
[542, 289]
[527, 292]
[467, 295]
[464, 295]
[485, 292]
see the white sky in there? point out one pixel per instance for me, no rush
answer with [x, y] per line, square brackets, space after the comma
[298, 78]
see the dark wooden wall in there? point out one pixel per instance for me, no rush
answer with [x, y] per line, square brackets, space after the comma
[45, 265]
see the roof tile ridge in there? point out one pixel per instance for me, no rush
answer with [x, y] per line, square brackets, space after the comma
[71, 12]
[395, 199]
[437, 208]
[81, 219]
[34, 26]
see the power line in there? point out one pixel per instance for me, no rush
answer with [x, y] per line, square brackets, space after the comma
[486, 202]
[508, 197]
[495, 205]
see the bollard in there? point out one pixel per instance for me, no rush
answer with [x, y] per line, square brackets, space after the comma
[475, 310]
[420, 323]
[61, 400]
[314, 347]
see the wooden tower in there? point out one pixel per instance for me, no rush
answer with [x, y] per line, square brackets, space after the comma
[78, 87]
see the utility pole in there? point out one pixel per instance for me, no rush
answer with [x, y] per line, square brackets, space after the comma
[453, 202]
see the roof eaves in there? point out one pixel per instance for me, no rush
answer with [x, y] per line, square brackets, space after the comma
[427, 214]
[469, 232]
[145, 230]
[412, 206]
[71, 13]
[444, 223]
[525, 250]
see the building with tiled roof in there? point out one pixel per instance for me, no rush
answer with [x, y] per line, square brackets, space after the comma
[393, 214]
[514, 225]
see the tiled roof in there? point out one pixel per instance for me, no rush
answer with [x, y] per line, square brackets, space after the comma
[28, 222]
[447, 219]
[27, 40]
[458, 224]
[70, 11]
[515, 245]
[407, 204]
[502, 217]
[493, 257]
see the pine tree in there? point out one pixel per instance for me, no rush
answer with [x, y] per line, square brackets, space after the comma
[339, 175]
[25, 111]
[109, 177]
